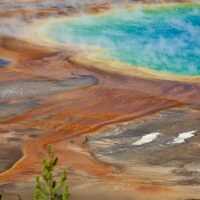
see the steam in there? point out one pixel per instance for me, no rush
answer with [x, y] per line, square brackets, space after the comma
[16, 21]
[12, 26]
[166, 41]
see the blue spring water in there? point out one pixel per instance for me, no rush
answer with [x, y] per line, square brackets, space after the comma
[165, 39]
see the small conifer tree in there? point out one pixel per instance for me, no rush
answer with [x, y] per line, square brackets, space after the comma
[47, 187]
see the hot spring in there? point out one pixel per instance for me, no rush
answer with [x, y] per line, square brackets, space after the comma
[161, 38]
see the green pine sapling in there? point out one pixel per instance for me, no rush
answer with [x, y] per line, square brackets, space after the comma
[47, 187]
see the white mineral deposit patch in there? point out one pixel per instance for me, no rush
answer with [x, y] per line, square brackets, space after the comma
[147, 139]
[184, 136]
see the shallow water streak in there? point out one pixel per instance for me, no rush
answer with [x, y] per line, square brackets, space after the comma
[4, 62]
[19, 89]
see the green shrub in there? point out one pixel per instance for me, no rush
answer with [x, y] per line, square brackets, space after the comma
[47, 187]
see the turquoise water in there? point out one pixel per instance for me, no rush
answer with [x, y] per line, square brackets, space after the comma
[162, 39]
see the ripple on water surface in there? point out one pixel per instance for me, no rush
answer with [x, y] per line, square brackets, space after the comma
[162, 38]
